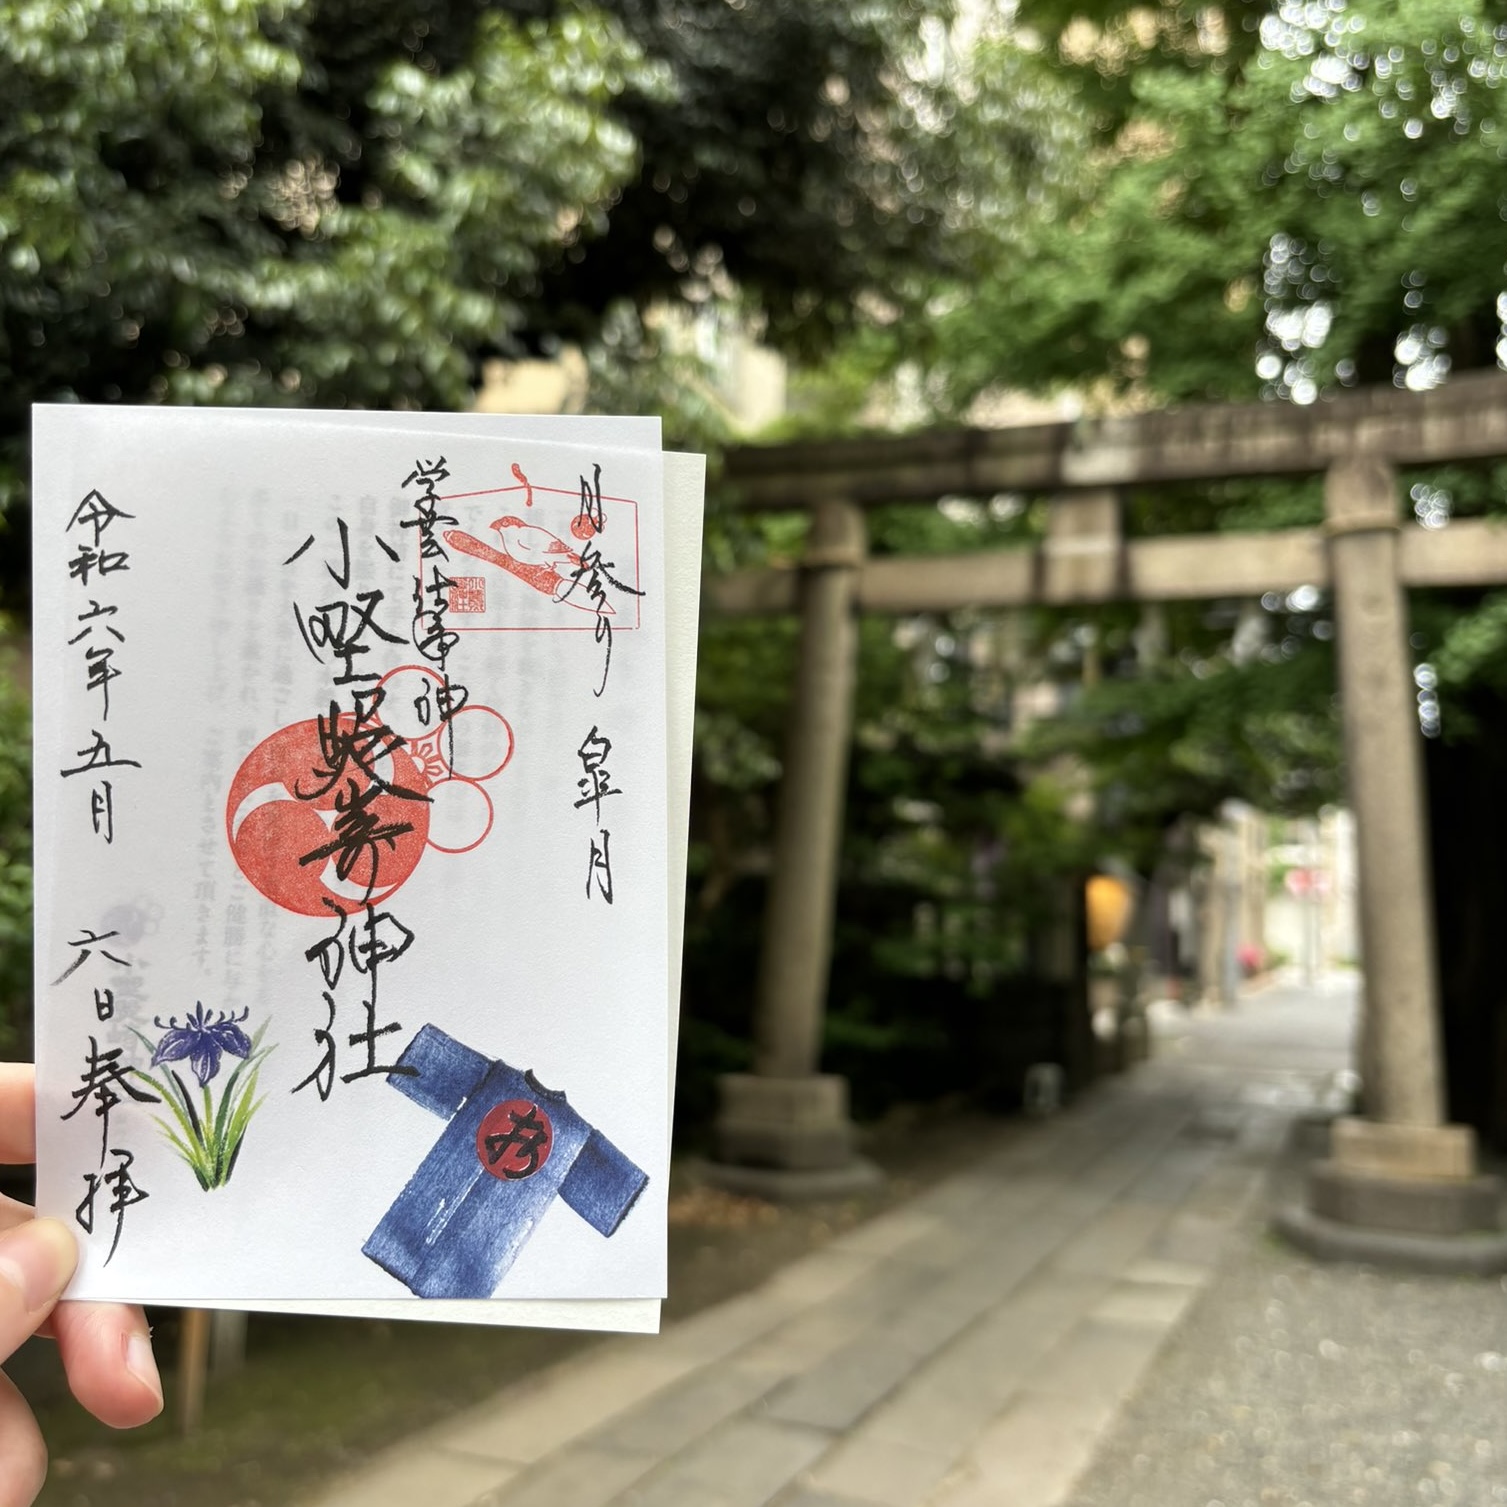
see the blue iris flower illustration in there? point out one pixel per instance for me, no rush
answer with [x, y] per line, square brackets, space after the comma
[202, 1040]
[207, 1127]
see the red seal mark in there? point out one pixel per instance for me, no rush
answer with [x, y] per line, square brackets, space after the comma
[582, 527]
[467, 594]
[514, 1139]
[528, 486]
[321, 817]
[331, 814]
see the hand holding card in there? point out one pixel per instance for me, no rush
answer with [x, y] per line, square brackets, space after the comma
[105, 1348]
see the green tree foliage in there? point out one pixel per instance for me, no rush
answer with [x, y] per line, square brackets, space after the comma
[348, 202]
[1184, 737]
[351, 202]
[807, 154]
[1281, 198]
[258, 202]
[15, 865]
[1184, 706]
[1274, 199]
[1284, 199]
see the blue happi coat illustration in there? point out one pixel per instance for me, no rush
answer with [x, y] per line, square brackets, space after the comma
[510, 1147]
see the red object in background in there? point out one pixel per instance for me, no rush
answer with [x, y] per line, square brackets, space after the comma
[1306, 882]
[283, 805]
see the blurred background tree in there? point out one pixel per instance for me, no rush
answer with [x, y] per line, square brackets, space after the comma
[353, 202]
[254, 203]
[357, 202]
[1275, 199]
[1282, 199]
[15, 866]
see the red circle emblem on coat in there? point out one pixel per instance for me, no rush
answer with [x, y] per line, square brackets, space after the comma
[513, 1140]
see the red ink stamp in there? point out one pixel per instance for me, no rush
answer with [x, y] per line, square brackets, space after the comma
[322, 817]
[334, 813]
[514, 1139]
[468, 594]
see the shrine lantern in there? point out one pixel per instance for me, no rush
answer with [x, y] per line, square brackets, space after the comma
[1109, 903]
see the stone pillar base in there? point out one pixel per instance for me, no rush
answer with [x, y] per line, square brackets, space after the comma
[1400, 1195]
[1411, 1206]
[781, 1186]
[1481, 1254]
[787, 1138]
[1431, 1152]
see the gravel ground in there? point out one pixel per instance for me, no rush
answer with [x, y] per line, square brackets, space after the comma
[1302, 1385]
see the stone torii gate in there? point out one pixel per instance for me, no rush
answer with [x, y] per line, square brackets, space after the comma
[784, 1128]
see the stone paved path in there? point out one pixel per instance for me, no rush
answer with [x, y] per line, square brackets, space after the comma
[968, 1349]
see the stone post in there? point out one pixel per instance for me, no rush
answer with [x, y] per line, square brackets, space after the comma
[1384, 758]
[783, 1130]
[1400, 1184]
[1231, 875]
[1207, 888]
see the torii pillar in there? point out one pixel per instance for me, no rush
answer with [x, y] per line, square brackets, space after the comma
[783, 1131]
[1400, 1184]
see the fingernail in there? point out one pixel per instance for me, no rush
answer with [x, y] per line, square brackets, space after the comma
[142, 1364]
[38, 1257]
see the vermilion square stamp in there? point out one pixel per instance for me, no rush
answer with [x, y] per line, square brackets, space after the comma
[468, 594]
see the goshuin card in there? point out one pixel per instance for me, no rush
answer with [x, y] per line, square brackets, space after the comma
[361, 757]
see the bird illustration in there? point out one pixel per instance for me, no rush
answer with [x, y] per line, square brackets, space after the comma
[535, 556]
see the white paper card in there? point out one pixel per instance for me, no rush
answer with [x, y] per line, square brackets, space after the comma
[400, 857]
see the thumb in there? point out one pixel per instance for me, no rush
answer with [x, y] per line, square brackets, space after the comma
[36, 1261]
